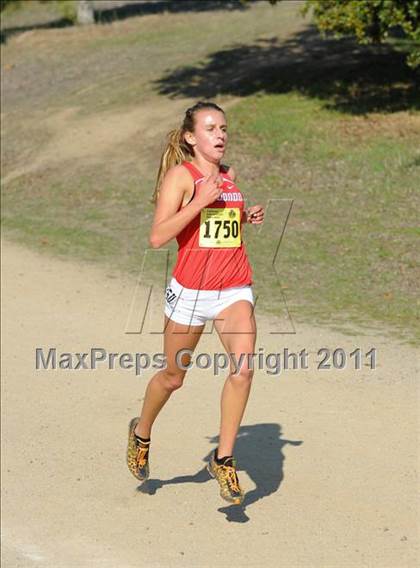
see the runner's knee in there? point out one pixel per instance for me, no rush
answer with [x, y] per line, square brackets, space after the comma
[243, 375]
[173, 379]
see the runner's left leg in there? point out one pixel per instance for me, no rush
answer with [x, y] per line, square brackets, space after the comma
[237, 330]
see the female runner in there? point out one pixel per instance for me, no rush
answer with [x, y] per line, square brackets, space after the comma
[198, 202]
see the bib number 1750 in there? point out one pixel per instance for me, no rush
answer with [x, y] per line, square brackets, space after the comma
[228, 228]
[220, 227]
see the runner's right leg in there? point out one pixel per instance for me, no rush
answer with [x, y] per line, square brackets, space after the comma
[177, 336]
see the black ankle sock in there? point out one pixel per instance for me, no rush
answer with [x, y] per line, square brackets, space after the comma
[223, 459]
[140, 439]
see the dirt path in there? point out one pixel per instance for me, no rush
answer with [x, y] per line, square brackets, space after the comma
[102, 135]
[86, 138]
[334, 485]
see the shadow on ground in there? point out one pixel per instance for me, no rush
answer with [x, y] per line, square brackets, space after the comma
[123, 10]
[130, 9]
[258, 451]
[349, 77]
[6, 33]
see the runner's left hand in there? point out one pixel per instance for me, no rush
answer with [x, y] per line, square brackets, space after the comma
[255, 214]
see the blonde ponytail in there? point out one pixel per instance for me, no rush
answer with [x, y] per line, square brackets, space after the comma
[176, 152]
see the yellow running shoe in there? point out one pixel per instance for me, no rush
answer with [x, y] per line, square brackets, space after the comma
[227, 477]
[137, 454]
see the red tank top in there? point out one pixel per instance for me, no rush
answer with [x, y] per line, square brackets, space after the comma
[213, 267]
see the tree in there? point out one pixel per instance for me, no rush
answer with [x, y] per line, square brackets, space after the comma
[78, 11]
[4, 3]
[85, 13]
[369, 20]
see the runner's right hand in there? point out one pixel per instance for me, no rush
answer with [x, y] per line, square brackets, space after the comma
[209, 190]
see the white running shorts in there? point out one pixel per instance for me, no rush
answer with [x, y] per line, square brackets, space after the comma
[195, 307]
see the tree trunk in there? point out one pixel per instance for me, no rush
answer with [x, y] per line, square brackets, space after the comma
[85, 13]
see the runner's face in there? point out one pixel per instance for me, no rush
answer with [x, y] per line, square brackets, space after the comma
[210, 134]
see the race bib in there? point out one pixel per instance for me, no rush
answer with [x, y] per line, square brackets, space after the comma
[220, 227]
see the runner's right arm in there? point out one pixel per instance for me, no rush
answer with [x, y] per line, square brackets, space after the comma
[168, 221]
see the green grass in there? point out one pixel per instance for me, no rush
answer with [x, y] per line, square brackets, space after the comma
[349, 250]
[61, 240]
[348, 254]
